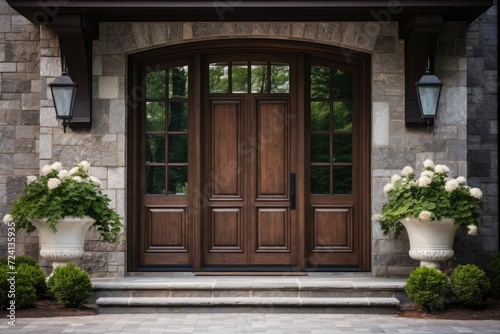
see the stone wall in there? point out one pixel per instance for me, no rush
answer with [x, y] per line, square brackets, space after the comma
[19, 113]
[27, 119]
[482, 132]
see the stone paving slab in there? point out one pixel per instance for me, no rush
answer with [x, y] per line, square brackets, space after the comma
[222, 323]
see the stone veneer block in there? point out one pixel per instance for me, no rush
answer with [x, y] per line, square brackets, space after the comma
[380, 123]
[109, 87]
[116, 178]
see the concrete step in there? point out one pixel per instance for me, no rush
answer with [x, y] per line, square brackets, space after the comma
[136, 294]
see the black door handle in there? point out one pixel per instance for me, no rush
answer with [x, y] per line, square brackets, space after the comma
[292, 191]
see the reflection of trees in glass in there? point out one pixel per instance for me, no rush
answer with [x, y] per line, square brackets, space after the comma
[176, 176]
[320, 116]
[177, 148]
[320, 147]
[342, 116]
[320, 179]
[239, 77]
[155, 116]
[320, 82]
[259, 78]
[342, 85]
[342, 148]
[155, 148]
[342, 180]
[155, 85]
[218, 78]
[155, 180]
[178, 82]
[178, 116]
[280, 78]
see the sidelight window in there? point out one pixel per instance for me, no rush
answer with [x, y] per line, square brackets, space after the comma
[330, 106]
[167, 131]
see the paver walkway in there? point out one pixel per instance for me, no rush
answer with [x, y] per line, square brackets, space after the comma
[222, 323]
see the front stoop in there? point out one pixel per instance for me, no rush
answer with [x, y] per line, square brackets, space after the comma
[263, 294]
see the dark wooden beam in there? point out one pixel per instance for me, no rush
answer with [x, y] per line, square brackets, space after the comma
[76, 32]
[420, 32]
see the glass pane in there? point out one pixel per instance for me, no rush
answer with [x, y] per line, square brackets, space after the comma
[320, 116]
[280, 78]
[155, 116]
[177, 179]
[155, 85]
[239, 77]
[342, 180]
[342, 85]
[178, 148]
[178, 116]
[320, 82]
[178, 82]
[320, 148]
[155, 148]
[342, 148]
[342, 116]
[155, 180]
[259, 78]
[218, 75]
[320, 179]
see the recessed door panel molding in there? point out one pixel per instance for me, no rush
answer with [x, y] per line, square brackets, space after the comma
[273, 230]
[167, 230]
[332, 229]
[226, 230]
[225, 175]
[273, 158]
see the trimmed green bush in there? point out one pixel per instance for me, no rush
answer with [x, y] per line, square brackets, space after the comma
[493, 272]
[470, 286]
[21, 259]
[70, 285]
[428, 288]
[29, 283]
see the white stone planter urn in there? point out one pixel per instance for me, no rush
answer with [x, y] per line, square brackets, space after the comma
[67, 243]
[431, 242]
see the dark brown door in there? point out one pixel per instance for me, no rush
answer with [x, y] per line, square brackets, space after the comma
[248, 219]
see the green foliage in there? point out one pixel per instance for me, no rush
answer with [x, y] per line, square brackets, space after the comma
[70, 285]
[59, 193]
[29, 285]
[470, 286]
[493, 272]
[428, 288]
[21, 259]
[430, 197]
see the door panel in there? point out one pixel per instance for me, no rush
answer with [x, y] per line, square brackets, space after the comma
[261, 230]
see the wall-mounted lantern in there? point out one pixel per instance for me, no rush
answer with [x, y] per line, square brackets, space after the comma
[428, 92]
[63, 93]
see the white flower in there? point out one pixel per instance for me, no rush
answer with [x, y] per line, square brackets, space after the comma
[395, 178]
[378, 217]
[407, 171]
[442, 169]
[56, 166]
[30, 179]
[77, 179]
[428, 163]
[461, 180]
[428, 173]
[63, 174]
[73, 171]
[425, 216]
[7, 219]
[85, 165]
[451, 185]
[388, 187]
[472, 229]
[53, 183]
[96, 181]
[46, 170]
[476, 192]
[423, 181]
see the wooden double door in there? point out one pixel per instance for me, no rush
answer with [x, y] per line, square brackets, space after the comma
[249, 218]
[250, 156]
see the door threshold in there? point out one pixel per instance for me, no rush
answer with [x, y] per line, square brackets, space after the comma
[250, 273]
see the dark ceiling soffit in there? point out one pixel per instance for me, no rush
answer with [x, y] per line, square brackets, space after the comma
[225, 10]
